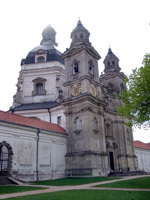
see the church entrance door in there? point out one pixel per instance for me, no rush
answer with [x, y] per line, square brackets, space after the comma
[111, 157]
[4, 160]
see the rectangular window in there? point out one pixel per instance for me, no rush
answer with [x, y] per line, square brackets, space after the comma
[39, 88]
[59, 120]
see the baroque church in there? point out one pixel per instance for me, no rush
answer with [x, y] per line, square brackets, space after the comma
[63, 120]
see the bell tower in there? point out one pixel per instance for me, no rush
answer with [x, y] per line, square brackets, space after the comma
[113, 79]
[86, 141]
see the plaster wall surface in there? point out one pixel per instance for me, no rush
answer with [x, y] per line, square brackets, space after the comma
[143, 156]
[23, 141]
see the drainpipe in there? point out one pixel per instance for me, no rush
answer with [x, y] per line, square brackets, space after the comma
[37, 154]
[49, 115]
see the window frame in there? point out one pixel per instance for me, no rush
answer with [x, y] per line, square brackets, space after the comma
[37, 81]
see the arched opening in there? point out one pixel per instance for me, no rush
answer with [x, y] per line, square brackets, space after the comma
[91, 67]
[108, 64]
[76, 68]
[111, 160]
[81, 36]
[113, 62]
[122, 88]
[95, 127]
[47, 36]
[5, 159]
[78, 123]
[40, 59]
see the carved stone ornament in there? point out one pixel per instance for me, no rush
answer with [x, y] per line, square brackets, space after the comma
[111, 145]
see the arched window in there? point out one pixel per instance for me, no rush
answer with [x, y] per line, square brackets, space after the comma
[52, 37]
[108, 64]
[108, 129]
[81, 36]
[95, 128]
[113, 62]
[77, 124]
[76, 68]
[40, 59]
[4, 159]
[47, 36]
[39, 89]
[91, 67]
[121, 87]
[39, 86]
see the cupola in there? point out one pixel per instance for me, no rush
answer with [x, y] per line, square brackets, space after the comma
[48, 35]
[46, 51]
[79, 34]
[111, 62]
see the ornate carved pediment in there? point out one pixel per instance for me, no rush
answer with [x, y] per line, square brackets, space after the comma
[111, 145]
[108, 121]
[40, 52]
[68, 113]
[39, 80]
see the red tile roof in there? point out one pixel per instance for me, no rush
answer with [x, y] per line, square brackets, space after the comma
[140, 144]
[21, 120]
[148, 144]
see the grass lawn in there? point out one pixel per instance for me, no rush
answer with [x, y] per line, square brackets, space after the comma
[143, 183]
[88, 195]
[15, 189]
[72, 181]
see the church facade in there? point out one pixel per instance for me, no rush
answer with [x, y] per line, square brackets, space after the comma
[66, 89]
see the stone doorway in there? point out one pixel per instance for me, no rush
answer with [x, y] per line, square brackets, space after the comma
[111, 159]
[5, 159]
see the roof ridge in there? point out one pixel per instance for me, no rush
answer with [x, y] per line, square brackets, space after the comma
[22, 120]
[140, 144]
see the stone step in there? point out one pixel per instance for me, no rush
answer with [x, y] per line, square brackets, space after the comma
[4, 180]
[127, 173]
[15, 181]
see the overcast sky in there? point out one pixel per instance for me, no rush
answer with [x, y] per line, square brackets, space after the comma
[124, 25]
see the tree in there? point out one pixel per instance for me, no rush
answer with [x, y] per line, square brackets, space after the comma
[136, 99]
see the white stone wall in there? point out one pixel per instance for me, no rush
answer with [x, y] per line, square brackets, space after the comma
[44, 115]
[56, 112]
[23, 140]
[54, 74]
[143, 157]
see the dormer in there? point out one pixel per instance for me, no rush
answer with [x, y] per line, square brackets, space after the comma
[40, 56]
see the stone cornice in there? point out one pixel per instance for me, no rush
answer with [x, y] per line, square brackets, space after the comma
[77, 49]
[81, 79]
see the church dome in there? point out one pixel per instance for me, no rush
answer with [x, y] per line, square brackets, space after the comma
[79, 27]
[49, 33]
[47, 46]
[111, 62]
[110, 54]
[80, 33]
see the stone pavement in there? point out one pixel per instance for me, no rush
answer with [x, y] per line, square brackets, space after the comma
[77, 187]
